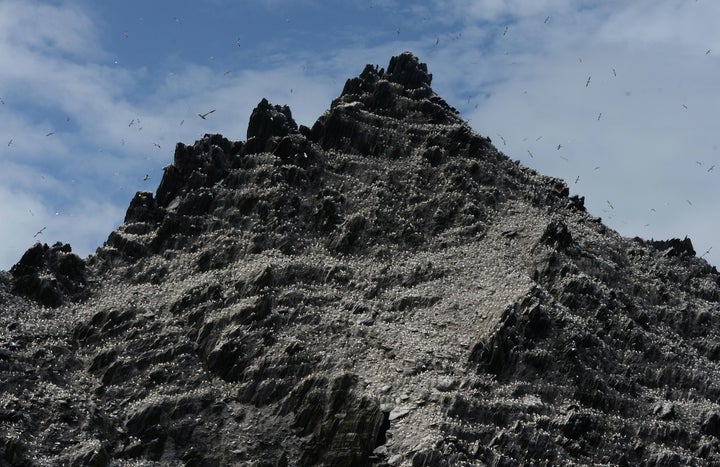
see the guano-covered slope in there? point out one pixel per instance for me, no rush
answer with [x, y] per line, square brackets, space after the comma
[384, 288]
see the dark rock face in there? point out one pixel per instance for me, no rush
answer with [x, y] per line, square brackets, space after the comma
[384, 288]
[49, 275]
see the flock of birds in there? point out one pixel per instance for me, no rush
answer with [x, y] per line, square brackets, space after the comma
[506, 30]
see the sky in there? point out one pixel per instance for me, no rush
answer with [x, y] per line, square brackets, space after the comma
[616, 97]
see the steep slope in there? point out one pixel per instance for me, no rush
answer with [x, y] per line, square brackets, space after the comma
[384, 288]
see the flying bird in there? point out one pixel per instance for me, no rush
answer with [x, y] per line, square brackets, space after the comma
[577, 179]
[688, 201]
[182, 121]
[39, 231]
[505, 31]
[503, 140]
[10, 142]
[531, 154]
[710, 169]
[437, 41]
[146, 178]
[587, 83]
[131, 122]
[156, 145]
[2, 101]
[708, 51]
[547, 18]
[559, 146]
[238, 42]
[203, 116]
[599, 115]
[611, 206]
[684, 106]
[614, 73]
[50, 134]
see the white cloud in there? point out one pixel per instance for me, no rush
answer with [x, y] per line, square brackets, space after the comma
[47, 29]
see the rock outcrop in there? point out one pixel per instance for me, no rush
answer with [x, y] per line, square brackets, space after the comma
[384, 288]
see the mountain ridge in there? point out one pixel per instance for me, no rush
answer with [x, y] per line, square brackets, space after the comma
[384, 288]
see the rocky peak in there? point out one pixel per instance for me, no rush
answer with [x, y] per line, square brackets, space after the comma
[269, 120]
[51, 275]
[385, 289]
[399, 100]
[406, 70]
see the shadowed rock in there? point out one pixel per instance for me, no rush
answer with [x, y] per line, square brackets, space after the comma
[49, 275]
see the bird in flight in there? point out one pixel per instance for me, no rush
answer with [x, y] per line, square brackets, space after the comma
[503, 140]
[437, 41]
[547, 18]
[708, 51]
[614, 73]
[587, 83]
[146, 178]
[611, 206]
[577, 179]
[531, 154]
[10, 142]
[204, 116]
[559, 146]
[39, 231]
[710, 169]
[131, 122]
[156, 145]
[2, 101]
[505, 31]
[50, 134]
[599, 115]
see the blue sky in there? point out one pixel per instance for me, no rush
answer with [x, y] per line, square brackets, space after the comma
[96, 94]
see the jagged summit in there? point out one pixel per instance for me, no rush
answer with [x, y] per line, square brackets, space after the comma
[402, 92]
[385, 288]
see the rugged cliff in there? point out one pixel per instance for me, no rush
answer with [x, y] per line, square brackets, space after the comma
[384, 288]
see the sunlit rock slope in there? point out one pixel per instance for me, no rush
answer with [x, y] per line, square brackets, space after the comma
[384, 288]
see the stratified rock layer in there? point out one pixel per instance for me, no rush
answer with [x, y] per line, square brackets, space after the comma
[384, 288]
